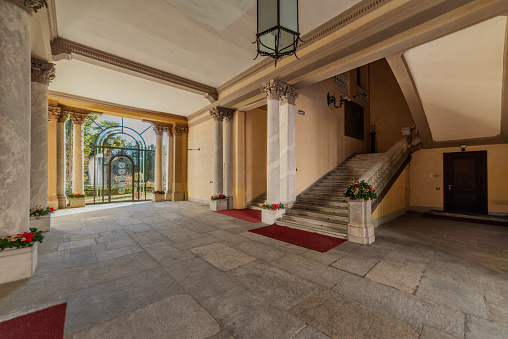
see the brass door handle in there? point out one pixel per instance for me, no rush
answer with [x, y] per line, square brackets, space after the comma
[450, 187]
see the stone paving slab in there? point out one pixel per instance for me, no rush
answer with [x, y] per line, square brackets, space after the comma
[479, 328]
[430, 332]
[172, 317]
[119, 252]
[309, 332]
[361, 260]
[259, 250]
[223, 257]
[341, 317]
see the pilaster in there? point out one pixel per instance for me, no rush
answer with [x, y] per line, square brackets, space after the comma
[170, 169]
[180, 162]
[60, 159]
[78, 157]
[159, 130]
[287, 114]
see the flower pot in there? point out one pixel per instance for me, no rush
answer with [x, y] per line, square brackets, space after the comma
[42, 224]
[18, 263]
[270, 216]
[158, 197]
[360, 229]
[76, 202]
[219, 205]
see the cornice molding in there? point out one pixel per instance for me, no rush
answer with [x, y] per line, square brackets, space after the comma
[51, 13]
[85, 100]
[348, 16]
[30, 6]
[64, 46]
[42, 72]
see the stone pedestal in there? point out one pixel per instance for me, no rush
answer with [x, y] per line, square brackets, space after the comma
[18, 263]
[269, 216]
[360, 229]
[219, 205]
[42, 224]
[159, 197]
[77, 202]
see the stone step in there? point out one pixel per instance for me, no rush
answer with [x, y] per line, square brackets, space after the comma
[316, 221]
[319, 216]
[339, 210]
[322, 204]
[332, 232]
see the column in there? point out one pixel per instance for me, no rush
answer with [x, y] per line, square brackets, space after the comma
[218, 116]
[287, 146]
[239, 160]
[42, 73]
[60, 159]
[169, 177]
[78, 156]
[53, 114]
[179, 162]
[159, 130]
[227, 157]
[272, 90]
[14, 116]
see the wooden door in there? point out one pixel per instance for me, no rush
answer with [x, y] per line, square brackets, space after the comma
[465, 182]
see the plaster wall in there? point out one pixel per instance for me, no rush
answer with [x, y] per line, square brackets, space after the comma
[396, 202]
[52, 199]
[389, 111]
[255, 155]
[200, 169]
[427, 174]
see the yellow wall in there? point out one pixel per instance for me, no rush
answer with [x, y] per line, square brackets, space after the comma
[255, 155]
[427, 174]
[388, 108]
[200, 163]
[396, 201]
[52, 199]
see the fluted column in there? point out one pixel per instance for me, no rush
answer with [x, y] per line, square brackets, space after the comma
[42, 73]
[60, 159]
[15, 115]
[78, 156]
[273, 90]
[159, 130]
[179, 162]
[287, 146]
[227, 157]
[169, 176]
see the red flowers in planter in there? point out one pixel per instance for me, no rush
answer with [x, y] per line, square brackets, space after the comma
[26, 237]
[272, 207]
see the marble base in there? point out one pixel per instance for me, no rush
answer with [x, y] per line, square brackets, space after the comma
[17, 263]
[219, 205]
[178, 196]
[76, 202]
[159, 198]
[230, 203]
[42, 224]
[270, 216]
[360, 228]
[169, 196]
[62, 201]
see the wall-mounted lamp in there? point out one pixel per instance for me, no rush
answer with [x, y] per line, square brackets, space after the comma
[463, 147]
[194, 149]
[301, 112]
[331, 99]
[360, 95]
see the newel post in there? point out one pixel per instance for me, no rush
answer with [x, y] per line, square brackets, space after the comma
[360, 229]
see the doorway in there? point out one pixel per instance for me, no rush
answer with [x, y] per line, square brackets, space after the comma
[465, 182]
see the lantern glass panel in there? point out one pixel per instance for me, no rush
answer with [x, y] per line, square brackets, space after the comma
[266, 43]
[286, 42]
[289, 14]
[267, 15]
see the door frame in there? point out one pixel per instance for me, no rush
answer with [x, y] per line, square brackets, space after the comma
[481, 175]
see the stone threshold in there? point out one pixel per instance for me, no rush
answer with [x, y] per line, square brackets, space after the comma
[471, 216]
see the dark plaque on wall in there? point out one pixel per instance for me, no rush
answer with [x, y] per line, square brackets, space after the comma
[353, 120]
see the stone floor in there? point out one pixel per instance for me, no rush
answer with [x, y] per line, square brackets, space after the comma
[177, 270]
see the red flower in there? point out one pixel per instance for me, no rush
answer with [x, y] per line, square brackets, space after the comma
[275, 206]
[221, 196]
[27, 235]
[372, 189]
[51, 209]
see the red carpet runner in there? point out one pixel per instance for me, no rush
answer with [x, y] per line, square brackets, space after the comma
[313, 241]
[44, 324]
[245, 214]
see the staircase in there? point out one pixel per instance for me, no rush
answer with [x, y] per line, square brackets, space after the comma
[257, 202]
[323, 208]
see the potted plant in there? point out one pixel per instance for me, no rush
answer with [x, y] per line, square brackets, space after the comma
[218, 202]
[76, 200]
[360, 195]
[18, 255]
[272, 212]
[40, 218]
[158, 196]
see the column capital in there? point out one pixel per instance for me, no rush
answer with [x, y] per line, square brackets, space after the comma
[273, 89]
[42, 72]
[180, 130]
[54, 112]
[158, 129]
[62, 117]
[31, 6]
[168, 130]
[289, 95]
[78, 118]
[219, 113]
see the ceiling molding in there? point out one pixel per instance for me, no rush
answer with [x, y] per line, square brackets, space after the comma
[354, 13]
[114, 109]
[53, 26]
[64, 46]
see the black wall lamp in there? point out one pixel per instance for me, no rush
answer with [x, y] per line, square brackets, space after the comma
[194, 149]
[331, 99]
[360, 95]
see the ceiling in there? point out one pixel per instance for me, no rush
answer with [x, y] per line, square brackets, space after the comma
[459, 79]
[205, 41]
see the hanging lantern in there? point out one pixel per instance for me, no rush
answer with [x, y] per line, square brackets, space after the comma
[277, 33]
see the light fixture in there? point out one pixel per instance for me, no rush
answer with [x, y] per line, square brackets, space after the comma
[360, 95]
[277, 33]
[331, 99]
[463, 147]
